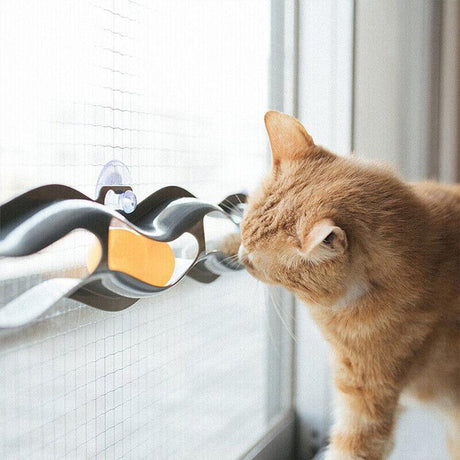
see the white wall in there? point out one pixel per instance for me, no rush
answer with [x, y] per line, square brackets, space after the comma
[396, 103]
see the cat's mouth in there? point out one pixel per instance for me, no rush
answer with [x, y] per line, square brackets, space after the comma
[243, 257]
[257, 272]
[252, 270]
[246, 262]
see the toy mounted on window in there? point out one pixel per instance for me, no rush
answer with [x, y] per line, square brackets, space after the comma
[139, 249]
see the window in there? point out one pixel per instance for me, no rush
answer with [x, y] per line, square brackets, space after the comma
[176, 90]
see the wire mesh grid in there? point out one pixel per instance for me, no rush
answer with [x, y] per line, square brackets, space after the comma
[147, 86]
[176, 91]
[174, 381]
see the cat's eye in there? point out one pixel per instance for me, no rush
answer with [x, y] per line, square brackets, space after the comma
[329, 238]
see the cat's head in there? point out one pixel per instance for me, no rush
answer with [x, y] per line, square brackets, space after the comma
[317, 220]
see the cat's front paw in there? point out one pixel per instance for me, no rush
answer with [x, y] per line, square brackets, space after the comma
[230, 244]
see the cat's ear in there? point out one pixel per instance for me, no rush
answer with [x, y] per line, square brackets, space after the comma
[288, 138]
[324, 241]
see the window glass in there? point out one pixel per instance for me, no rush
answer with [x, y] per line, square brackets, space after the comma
[177, 91]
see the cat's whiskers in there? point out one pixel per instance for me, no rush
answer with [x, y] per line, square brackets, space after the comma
[238, 211]
[278, 293]
[290, 316]
[232, 258]
[275, 343]
[238, 198]
[283, 321]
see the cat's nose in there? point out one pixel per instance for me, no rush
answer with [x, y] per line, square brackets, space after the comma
[242, 253]
[244, 256]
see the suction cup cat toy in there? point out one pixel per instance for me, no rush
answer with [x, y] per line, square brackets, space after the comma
[138, 248]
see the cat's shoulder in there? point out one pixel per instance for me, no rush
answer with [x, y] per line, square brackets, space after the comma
[436, 188]
[446, 194]
[442, 203]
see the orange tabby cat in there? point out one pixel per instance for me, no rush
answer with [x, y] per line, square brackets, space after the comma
[377, 261]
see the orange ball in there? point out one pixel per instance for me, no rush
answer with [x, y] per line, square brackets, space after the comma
[136, 255]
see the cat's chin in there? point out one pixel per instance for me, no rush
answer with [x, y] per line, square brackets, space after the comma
[254, 272]
[352, 296]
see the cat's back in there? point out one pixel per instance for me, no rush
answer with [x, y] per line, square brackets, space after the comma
[442, 229]
[439, 372]
[442, 203]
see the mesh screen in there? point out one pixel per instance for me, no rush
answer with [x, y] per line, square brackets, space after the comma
[164, 379]
[176, 90]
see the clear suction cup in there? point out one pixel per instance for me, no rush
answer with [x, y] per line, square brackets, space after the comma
[114, 189]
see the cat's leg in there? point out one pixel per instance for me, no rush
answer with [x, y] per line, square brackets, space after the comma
[453, 434]
[364, 424]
